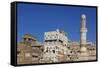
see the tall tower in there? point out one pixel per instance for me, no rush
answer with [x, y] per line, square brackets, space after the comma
[83, 30]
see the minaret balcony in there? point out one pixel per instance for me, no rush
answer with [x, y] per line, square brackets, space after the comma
[83, 30]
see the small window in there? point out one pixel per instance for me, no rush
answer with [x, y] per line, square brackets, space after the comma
[53, 51]
[48, 35]
[70, 51]
[46, 50]
[68, 47]
[68, 55]
[78, 51]
[42, 49]
[34, 56]
[24, 39]
[18, 52]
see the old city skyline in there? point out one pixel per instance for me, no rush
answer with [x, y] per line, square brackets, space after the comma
[59, 28]
[56, 47]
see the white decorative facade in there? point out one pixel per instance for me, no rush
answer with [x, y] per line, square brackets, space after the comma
[55, 45]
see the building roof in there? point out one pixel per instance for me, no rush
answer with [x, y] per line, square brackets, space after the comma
[29, 36]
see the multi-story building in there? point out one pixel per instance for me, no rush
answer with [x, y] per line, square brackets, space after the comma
[28, 50]
[55, 46]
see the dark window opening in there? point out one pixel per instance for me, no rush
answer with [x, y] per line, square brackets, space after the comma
[53, 51]
[18, 52]
[46, 50]
[68, 47]
[34, 56]
[70, 51]
[60, 41]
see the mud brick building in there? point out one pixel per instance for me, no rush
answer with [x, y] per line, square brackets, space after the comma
[29, 50]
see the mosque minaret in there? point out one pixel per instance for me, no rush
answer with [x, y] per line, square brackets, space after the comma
[83, 30]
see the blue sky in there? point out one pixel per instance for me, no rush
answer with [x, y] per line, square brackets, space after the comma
[37, 19]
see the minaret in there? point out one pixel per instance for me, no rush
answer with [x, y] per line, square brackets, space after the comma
[83, 30]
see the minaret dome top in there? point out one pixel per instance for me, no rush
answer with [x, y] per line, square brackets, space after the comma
[83, 16]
